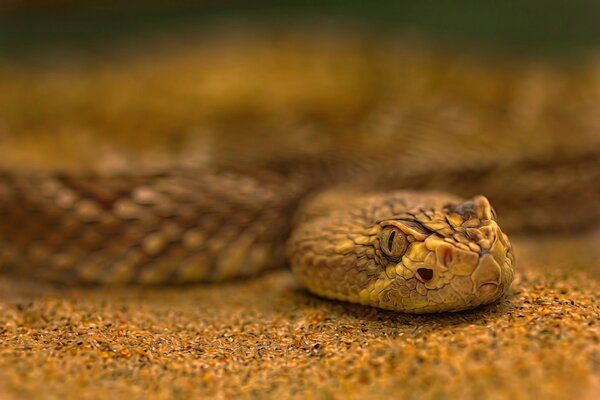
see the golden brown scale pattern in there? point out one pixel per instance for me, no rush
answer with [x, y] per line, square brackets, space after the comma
[181, 226]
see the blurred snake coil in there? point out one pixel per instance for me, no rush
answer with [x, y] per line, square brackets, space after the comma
[363, 232]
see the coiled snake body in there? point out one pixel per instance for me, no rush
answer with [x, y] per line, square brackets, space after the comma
[409, 251]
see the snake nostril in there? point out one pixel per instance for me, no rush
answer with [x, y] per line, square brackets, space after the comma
[425, 273]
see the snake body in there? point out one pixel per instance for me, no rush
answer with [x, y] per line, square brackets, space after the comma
[410, 251]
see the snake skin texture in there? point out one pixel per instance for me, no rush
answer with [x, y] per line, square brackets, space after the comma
[410, 251]
[178, 227]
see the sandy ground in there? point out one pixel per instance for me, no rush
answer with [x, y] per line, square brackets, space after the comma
[267, 338]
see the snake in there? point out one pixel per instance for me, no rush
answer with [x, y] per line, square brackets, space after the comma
[388, 240]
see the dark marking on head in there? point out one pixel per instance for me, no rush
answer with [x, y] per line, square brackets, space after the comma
[450, 207]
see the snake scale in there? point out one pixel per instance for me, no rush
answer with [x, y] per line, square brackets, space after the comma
[389, 239]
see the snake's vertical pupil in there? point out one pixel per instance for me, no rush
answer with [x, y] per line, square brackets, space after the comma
[391, 241]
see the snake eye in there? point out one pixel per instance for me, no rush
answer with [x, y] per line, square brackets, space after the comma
[393, 242]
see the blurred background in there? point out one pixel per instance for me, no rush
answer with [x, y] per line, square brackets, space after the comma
[109, 84]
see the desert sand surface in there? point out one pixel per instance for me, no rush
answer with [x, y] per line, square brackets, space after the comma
[268, 338]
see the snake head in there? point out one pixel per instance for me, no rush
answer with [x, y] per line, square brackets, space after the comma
[403, 251]
[448, 258]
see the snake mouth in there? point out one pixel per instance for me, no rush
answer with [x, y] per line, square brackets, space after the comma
[487, 278]
[487, 289]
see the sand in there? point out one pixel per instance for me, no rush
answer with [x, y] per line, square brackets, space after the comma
[268, 338]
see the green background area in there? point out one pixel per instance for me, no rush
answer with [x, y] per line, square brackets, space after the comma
[525, 26]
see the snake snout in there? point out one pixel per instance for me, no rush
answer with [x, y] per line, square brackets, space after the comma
[487, 277]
